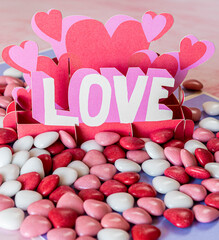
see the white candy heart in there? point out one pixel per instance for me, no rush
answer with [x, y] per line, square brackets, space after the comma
[6, 156]
[19, 158]
[154, 150]
[9, 172]
[91, 145]
[211, 108]
[112, 233]
[176, 199]
[210, 123]
[45, 139]
[67, 175]
[35, 152]
[12, 72]
[126, 165]
[120, 202]
[33, 164]
[10, 188]
[25, 197]
[191, 145]
[213, 169]
[81, 168]
[155, 167]
[164, 184]
[24, 143]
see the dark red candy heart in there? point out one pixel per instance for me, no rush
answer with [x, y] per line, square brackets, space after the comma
[58, 192]
[91, 194]
[174, 143]
[161, 135]
[213, 145]
[61, 160]
[7, 135]
[29, 181]
[180, 217]
[197, 172]
[112, 186]
[56, 148]
[145, 232]
[203, 156]
[77, 153]
[47, 162]
[63, 217]
[48, 184]
[127, 178]
[142, 189]
[113, 152]
[212, 200]
[131, 143]
[178, 173]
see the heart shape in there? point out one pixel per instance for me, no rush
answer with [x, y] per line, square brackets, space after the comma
[95, 49]
[23, 57]
[155, 26]
[193, 52]
[23, 97]
[50, 23]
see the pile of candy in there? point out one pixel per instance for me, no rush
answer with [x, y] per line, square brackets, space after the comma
[95, 190]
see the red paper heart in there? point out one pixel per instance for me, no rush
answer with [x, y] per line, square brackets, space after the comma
[95, 49]
[190, 53]
[141, 60]
[24, 98]
[50, 23]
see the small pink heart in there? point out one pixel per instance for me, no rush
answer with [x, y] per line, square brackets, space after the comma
[23, 57]
[155, 26]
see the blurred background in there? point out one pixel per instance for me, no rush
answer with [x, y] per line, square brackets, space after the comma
[197, 17]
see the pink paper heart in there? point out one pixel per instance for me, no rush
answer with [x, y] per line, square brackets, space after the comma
[23, 57]
[155, 26]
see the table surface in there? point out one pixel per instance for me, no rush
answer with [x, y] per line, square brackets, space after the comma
[197, 17]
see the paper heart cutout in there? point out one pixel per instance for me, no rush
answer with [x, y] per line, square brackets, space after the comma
[50, 23]
[23, 97]
[59, 72]
[193, 52]
[155, 26]
[23, 57]
[95, 49]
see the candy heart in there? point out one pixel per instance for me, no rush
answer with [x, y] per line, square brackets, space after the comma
[53, 19]
[138, 156]
[56, 148]
[211, 108]
[86, 225]
[89, 181]
[41, 207]
[145, 232]
[67, 139]
[113, 152]
[187, 158]
[197, 172]
[126, 165]
[154, 206]
[23, 57]
[63, 217]
[177, 173]
[176, 199]
[94, 157]
[47, 162]
[7, 135]
[91, 194]
[5, 202]
[142, 189]
[11, 218]
[173, 155]
[19, 158]
[202, 134]
[155, 167]
[164, 184]
[120, 201]
[61, 233]
[9, 172]
[44, 140]
[210, 123]
[35, 152]
[6, 156]
[114, 220]
[81, 168]
[10, 188]
[191, 145]
[203, 156]
[67, 176]
[61, 160]
[29, 180]
[48, 184]
[213, 169]
[131, 143]
[107, 138]
[77, 153]
[180, 217]
[155, 26]
[91, 145]
[174, 143]
[211, 184]
[58, 192]
[213, 145]
[71, 200]
[34, 226]
[23, 97]
[111, 233]
[161, 136]
[96, 209]
[137, 216]
[154, 150]
[112, 186]
[196, 191]
[205, 214]
[127, 178]
[212, 200]
[103, 171]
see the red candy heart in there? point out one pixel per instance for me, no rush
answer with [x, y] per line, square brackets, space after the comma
[61, 160]
[174, 143]
[142, 189]
[212, 200]
[112, 186]
[48, 184]
[58, 192]
[127, 178]
[178, 173]
[203, 156]
[50, 23]
[77, 153]
[161, 135]
[56, 148]
[213, 145]
[91, 194]
[113, 152]
[197, 172]
[180, 217]
[63, 217]
[29, 181]
[145, 232]
[131, 143]
[47, 162]
[7, 135]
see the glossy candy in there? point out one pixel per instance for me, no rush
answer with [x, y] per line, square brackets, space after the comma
[137, 215]
[161, 135]
[61, 233]
[178, 173]
[176, 199]
[210, 123]
[46, 139]
[103, 171]
[203, 134]
[145, 231]
[192, 84]
[155, 167]
[126, 165]
[113, 152]
[41, 207]
[212, 200]
[142, 189]
[211, 108]
[127, 178]
[211, 184]
[205, 214]
[131, 143]
[67, 139]
[164, 184]
[107, 138]
[196, 191]
[197, 172]
[112, 186]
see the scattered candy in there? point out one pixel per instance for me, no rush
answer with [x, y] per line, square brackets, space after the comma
[155, 167]
[210, 123]
[41, 207]
[164, 184]
[211, 108]
[6, 202]
[61, 233]
[205, 214]
[137, 215]
[176, 199]
[196, 191]
[112, 233]
[46, 139]
[203, 134]
[191, 145]
[192, 84]
[212, 200]
[211, 184]
[126, 165]
[145, 231]
[196, 114]
[154, 150]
